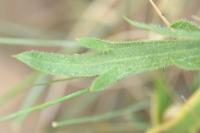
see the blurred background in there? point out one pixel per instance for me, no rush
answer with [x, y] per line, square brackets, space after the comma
[36, 20]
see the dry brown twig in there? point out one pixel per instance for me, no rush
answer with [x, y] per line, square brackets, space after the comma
[160, 13]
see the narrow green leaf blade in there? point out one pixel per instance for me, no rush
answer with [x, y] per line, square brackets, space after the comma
[130, 109]
[35, 42]
[166, 31]
[44, 105]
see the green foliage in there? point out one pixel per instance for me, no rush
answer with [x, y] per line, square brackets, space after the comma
[177, 29]
[117, 63]
[112, 61]
[185, 25]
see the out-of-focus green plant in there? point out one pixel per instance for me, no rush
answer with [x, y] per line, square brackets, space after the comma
[133, 108]
[185, 121]
[161, 99]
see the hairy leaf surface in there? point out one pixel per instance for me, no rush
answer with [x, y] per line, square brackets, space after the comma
[122, 62]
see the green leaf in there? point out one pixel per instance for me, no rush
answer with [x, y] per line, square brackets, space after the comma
[107, 46]
[109, 78]
[189, 63]
[121, 62]
[185, 25]
[94, 43]
[113, 61]
[180, 31]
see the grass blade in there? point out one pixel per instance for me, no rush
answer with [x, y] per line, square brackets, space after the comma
[32, 96]
[44, 105]
[133, 108]
[35, 42]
